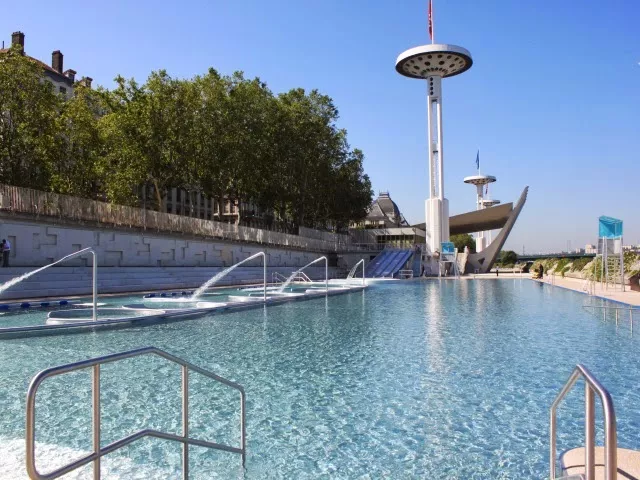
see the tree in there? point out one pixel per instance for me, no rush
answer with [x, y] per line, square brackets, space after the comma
[28, 112]
[148, 137]
[507, 258]
[462, 240]
[79, 145]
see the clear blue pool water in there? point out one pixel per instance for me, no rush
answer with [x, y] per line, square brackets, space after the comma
[418, 379]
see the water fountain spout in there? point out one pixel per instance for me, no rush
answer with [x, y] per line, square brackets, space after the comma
[293, 275]
[16, 280]
[353, 271]
[213, 280]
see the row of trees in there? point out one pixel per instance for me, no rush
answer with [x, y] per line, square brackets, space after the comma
[222, 136]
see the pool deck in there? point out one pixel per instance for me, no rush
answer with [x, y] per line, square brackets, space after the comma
[628, 297]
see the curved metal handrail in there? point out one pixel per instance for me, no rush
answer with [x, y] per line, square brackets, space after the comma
[610, 434]
[98, 451]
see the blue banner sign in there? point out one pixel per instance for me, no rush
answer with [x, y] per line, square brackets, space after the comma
[448, 248]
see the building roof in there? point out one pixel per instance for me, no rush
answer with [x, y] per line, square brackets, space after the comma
[47, 68]
[478, 220]
[385, 209]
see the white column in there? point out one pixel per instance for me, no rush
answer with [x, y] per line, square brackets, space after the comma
[436, 207]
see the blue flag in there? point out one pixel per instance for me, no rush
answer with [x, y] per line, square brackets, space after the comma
[478, 160]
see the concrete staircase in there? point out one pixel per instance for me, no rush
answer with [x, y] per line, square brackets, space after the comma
[61, 282]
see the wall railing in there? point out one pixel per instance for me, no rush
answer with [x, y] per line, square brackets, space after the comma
[19, 200]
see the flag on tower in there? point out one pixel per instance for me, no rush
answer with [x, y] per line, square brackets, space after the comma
[478, 160]
[430, 20]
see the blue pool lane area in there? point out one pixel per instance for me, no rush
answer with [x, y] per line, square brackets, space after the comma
[414, 379]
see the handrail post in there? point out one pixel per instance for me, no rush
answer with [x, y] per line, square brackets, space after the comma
[326, 275]
[95, 285]
[552, 445]
[95, 393]
[264, 263]
[185, 421]
[589, 432]
[243, 428]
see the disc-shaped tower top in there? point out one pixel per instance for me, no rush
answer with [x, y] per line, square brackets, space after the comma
[479, 179]
[490, 203]
[434, 59]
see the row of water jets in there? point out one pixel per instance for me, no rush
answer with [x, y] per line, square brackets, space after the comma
[203, 288]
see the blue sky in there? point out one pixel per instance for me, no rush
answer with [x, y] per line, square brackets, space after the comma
[552, 100]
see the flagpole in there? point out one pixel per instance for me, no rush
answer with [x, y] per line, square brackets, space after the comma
[433, 30]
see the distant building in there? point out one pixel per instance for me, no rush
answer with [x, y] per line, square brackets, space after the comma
[385, 224]
[62, 80]
[383, 213]
[588, 248]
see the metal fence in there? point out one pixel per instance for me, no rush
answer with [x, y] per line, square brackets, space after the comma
[44, 204]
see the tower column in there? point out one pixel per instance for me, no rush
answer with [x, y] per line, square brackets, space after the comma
[433, 63]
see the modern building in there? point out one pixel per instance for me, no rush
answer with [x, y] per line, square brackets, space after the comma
[62, 80]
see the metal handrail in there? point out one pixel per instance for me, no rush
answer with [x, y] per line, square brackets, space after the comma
[616, 309]
[98, 451]
[610, 434]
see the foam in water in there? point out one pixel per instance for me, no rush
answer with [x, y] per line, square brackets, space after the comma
[212, 281]
[292, 276]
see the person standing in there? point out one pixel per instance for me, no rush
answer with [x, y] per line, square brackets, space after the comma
[6, 250]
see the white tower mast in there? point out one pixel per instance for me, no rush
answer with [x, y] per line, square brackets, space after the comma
[433, 63]
[480, 181]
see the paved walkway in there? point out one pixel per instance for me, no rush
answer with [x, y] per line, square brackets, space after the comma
[628, 296]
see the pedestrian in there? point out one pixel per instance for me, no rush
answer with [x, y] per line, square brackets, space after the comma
[6, 250]
[497, 268]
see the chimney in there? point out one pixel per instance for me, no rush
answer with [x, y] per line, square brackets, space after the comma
[87, 81]
[56, 61]
[70, 74]
[17, 38]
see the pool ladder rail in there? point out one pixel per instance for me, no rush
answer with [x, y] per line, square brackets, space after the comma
[617, 310]
[98, 450]
[592, 386]
[278, 278]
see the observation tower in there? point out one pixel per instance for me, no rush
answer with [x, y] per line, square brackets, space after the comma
[432, 63]
[481, 203]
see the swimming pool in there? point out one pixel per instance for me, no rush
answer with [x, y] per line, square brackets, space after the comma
[416, 379]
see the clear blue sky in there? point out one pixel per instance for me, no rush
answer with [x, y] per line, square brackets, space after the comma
[552, 100]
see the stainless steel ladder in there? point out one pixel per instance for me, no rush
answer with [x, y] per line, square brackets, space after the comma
[592, 385]
[606, 308]
[98, 451]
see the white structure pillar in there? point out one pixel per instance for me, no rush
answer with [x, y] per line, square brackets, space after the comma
[433, 63]
[480, 181]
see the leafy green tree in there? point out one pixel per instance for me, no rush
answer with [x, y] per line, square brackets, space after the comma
[464, 240]
[79, 144]
[28, 128]
[148, 137]
[507, 257]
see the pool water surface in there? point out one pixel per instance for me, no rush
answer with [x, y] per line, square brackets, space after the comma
[414, 379]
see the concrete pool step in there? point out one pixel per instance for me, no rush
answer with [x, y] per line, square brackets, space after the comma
[572, 463]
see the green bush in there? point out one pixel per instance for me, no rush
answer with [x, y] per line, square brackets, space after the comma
[579, 263]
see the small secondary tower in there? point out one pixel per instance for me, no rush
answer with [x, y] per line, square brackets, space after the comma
[481, 203]
[433, 63]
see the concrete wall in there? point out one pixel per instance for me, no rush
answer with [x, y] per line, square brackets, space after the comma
[133, 261]
[36, 244]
